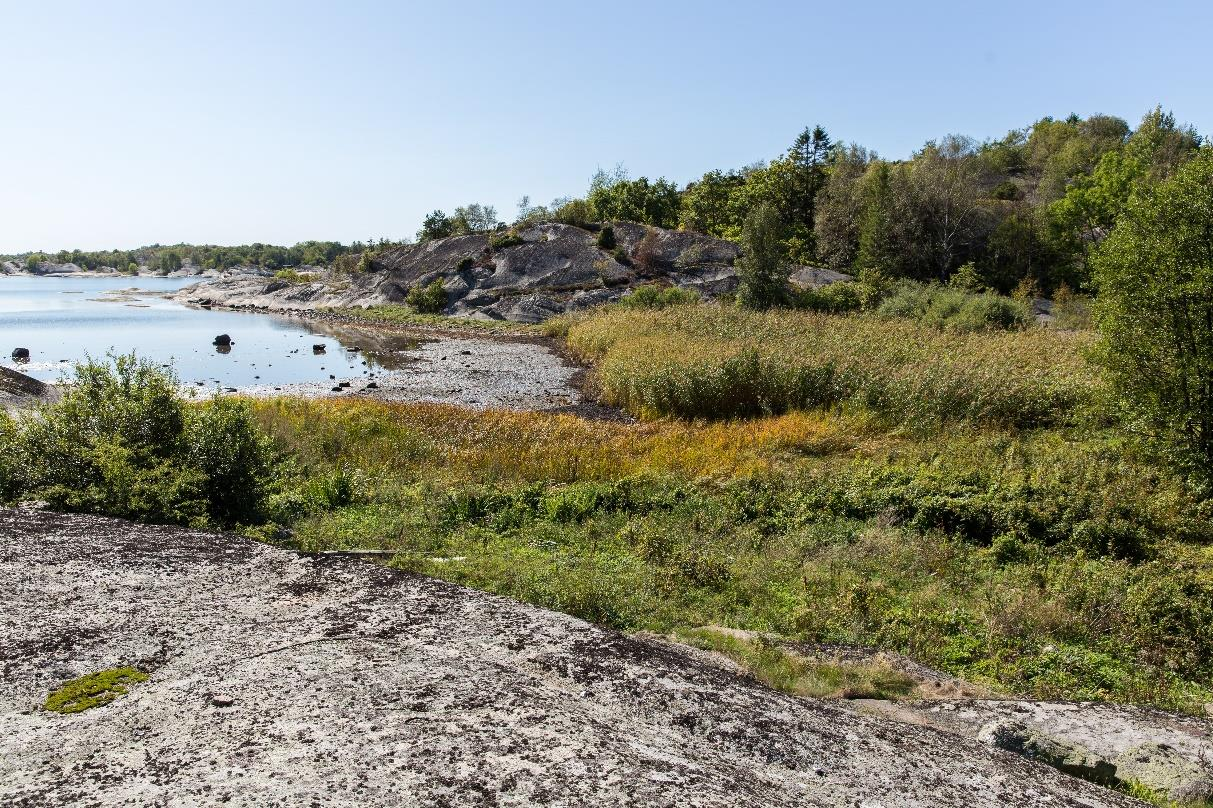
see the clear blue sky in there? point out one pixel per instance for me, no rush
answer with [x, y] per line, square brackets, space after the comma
[229, 122]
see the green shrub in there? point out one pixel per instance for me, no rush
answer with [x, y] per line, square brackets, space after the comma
[222, 441]
[465, 264]
[292, 276]
[122, 442]
[428, 299]
[1171, 614]
[575, 212]
[955, 309]
[509, 238]
[967, 278]
[606, 238]
[838, 298]
[621, 255]
[653, 296]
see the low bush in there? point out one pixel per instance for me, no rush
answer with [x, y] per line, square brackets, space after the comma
[428, 299]
[646, 254]
[509, 238]
[122, 442]
[838, 298]
[955, 309]
[652, 296]
[606, 238]
[293, 276]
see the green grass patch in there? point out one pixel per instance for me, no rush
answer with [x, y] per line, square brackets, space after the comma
[408, 316]
[1053, 564]
[775, 667]
[92, 690]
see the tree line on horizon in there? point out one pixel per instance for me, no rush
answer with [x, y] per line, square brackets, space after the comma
[1028, 208]
[1025, 209]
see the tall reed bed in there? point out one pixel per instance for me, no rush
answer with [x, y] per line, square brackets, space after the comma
[720, 362]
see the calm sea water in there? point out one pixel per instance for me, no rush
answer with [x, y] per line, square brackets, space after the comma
[64, 320]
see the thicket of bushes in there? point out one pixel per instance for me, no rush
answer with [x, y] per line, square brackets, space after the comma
[122, 442]
[428, 299]
[652, 296]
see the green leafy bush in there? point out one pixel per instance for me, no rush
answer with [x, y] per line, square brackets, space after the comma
[652, 296]
[838, 298]
[509, 238]
[428, 299]
[292, 276]
[575, 212]
[606, 238]
[955, 309]
[122, 442]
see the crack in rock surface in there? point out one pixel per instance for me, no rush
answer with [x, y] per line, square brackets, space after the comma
[281, 680]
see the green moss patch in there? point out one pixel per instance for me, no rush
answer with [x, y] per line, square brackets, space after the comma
[93, 690]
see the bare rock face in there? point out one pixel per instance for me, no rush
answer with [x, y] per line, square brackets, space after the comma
[553, 269]
[1105, 743]
[277, 679]
[18, 390]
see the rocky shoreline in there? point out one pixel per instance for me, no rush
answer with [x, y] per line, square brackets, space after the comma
[543, 271]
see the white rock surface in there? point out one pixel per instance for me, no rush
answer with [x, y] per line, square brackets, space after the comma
[282, 680]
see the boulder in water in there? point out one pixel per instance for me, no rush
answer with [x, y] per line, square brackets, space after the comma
[222, 339]
[21, 354]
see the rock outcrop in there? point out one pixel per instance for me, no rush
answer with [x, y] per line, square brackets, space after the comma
[280, 679]
[551, 269]
[1105, 743]
[18, 390]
